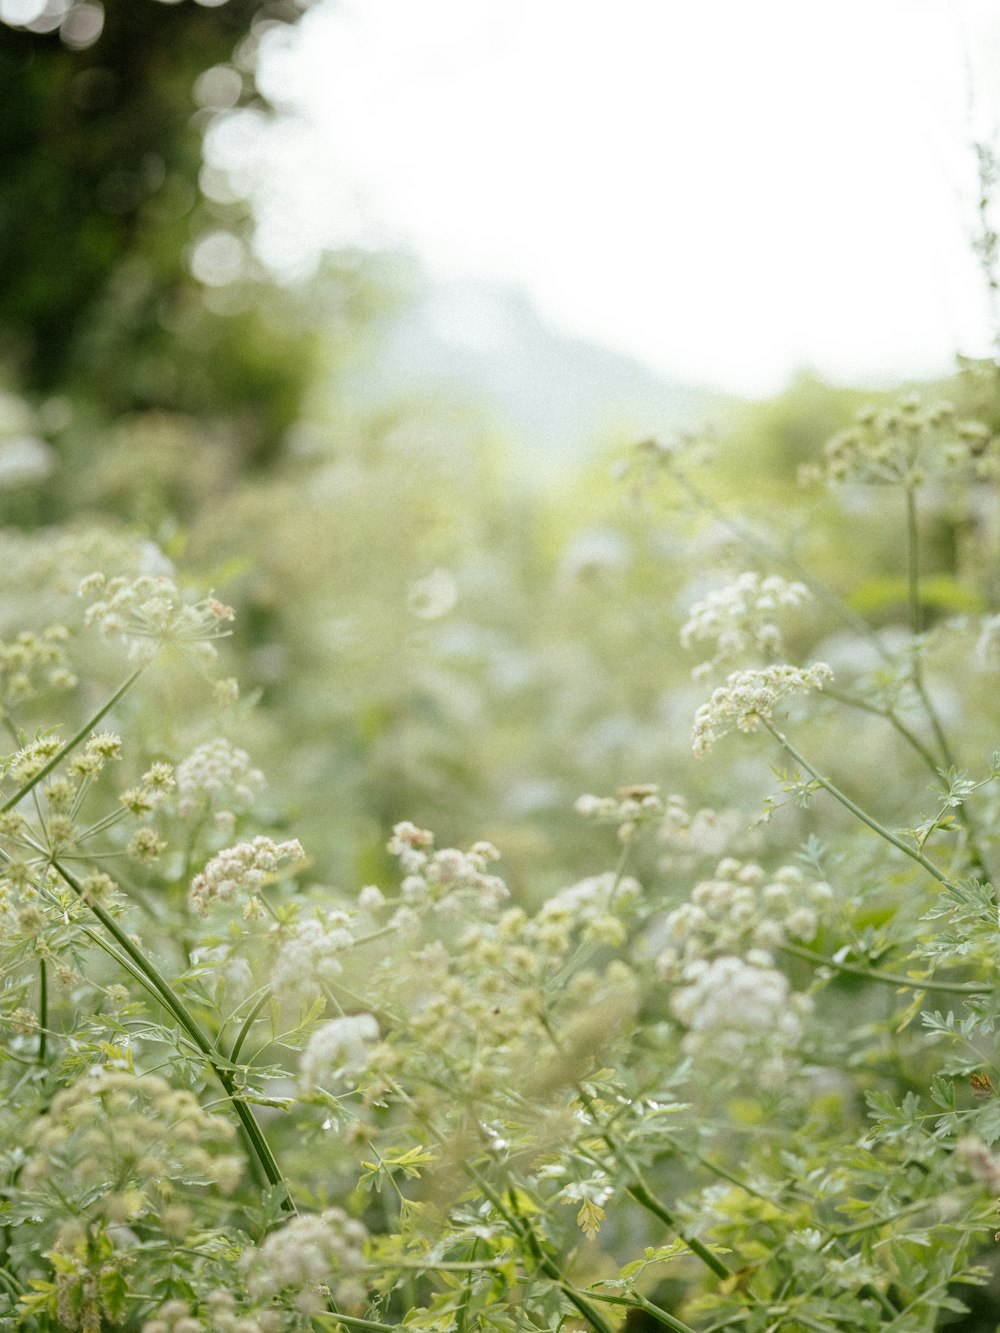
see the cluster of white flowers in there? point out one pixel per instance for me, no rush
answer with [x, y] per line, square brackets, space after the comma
[32, 662]
[338, 1051]
[442, 879]
[311, 1256]
[217, 777]
[906, 444]
[633, 806]
[596, 908]
[740, 619]
[307, 955]
[174, 1317]
[118, 1142]
[243, 869]
[979, 1161]
[432, 597]
[748, 698]
[480, 1003]
[222, 1317]
[689, 837]
[741, 907]
[731, 1004]
[149, 612]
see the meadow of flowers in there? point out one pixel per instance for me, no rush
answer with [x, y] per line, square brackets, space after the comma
[547, 918]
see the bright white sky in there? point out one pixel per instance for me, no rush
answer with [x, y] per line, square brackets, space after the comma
[726, 190]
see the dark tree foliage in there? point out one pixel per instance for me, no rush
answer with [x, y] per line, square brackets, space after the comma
[100, 152]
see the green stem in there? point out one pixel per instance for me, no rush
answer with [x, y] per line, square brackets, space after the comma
[43, 1010]
[889, 978]
[636, 1301]
[73, 742]
[913, 569]
[548, 1265]
[639, 1189]
[644, 1196]
[353, 1321]
[261, 1156]
[248, 1023]
[852, 701]
[856, 810]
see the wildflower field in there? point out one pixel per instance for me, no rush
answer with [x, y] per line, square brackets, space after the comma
[554, 939]
[432, 899]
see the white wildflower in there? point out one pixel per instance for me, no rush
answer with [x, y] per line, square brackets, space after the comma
[244, 868]
[748, 698]
[338, 1050]
[310, 1255]
[149, 612]
[730, 1000]
[218, 776]
[308, 956]
[739, 618]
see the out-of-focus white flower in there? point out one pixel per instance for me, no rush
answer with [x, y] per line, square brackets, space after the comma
[25, 460]
[338, 1050]
[432, 597]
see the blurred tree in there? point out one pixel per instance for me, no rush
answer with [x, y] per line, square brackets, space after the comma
[105, 109]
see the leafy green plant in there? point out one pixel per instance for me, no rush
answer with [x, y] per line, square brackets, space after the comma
[742, 1074]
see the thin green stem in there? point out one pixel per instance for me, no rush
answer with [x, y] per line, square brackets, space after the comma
[333, 1319]
[547, 1264]
[855, 809]
[73, 742]
[888, 978]
[248, 1023]
[260, 1155]
[636, 1301]
[639, 1189]
[913, 567]
[853, 701]
[43, 1010]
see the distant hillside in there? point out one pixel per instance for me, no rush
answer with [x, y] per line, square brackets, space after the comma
[556, 396]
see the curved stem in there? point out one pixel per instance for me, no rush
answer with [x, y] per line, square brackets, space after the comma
[636, 1301]
[261, 1157]
[43, 1009]
[248, 1023]
[887, 978]
[855, 809]
[73, 742]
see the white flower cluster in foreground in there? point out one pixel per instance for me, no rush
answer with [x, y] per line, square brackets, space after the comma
[739, 619]
[243, 869]
[337, 1051]
[217, 776]
[307, 1258]
[137, 1134]
[748, 699]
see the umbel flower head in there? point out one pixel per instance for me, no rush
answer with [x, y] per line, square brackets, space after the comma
[149, 613]
[119, 1143]
[748, 698]
[308, 1257]
[741, 618]
[243, 869]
